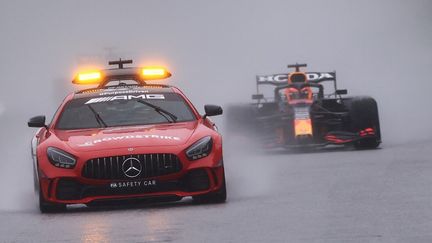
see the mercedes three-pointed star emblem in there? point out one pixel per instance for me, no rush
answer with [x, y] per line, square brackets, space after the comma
[131, 167]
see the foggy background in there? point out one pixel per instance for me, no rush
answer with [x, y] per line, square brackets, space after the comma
[214, 50]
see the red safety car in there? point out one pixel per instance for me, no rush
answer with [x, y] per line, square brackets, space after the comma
[128, 138]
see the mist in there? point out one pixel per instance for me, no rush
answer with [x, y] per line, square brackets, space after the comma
[214, 50]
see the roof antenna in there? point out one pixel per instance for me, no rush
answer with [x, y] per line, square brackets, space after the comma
[120, 63]
[297, 66]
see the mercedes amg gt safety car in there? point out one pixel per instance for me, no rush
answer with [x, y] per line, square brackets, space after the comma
[128, 138]
[301, 115]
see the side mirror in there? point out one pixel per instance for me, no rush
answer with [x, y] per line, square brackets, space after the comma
[341, 92]
[37, 121]
[212, 110]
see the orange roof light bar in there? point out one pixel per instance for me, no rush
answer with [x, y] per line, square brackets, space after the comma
[94, 77]
[152, 73]
[138, 74]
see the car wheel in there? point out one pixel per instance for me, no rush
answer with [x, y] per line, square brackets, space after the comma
[47, 207]
[213, 197]
[364, 114]
[367, 143]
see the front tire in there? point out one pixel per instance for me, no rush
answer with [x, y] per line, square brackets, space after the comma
[364, 114]
[213, 197]
[47, 207]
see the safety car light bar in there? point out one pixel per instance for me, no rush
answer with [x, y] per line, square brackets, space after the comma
[137, 74]
[93, 77]
[153, 73]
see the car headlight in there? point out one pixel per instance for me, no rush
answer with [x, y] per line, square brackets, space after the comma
[200, 149]
[60, 158]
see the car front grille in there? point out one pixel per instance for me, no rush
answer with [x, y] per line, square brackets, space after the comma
[70, 189]
[111, 168]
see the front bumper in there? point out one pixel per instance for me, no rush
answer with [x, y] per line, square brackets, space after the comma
[69, 186]
[69, 190]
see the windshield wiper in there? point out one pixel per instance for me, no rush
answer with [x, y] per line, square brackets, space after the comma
[97, 116]
[164, 113]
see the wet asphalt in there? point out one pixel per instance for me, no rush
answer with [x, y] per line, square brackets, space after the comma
[382, 195]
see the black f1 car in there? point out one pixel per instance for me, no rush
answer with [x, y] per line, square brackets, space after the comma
[302, 115]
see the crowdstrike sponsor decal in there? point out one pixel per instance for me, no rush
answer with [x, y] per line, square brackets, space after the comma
[119, 138]
[126, 97]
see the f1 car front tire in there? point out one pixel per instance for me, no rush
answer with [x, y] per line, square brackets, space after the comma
[364, 114]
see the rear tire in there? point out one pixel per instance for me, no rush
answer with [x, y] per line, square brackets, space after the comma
[364, 114]
[213, 197]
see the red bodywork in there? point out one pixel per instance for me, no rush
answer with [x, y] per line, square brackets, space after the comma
[127, 143]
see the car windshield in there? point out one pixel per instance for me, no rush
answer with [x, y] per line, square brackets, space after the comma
[124, 110]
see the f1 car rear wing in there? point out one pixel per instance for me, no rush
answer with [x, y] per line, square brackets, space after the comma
[281, 81]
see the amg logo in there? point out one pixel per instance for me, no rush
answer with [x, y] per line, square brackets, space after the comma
[126, 97]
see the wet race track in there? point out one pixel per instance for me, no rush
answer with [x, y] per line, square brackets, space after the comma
[382, 195]
[214, 49]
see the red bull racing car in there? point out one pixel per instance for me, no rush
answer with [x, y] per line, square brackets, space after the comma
[302, 115]
[128, 138]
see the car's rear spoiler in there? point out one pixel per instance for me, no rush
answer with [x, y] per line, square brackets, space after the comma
[282, 80]
[278, 79]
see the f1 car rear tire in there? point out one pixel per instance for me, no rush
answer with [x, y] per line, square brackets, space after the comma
[213, 197]
[364, 114]
[47, 207]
